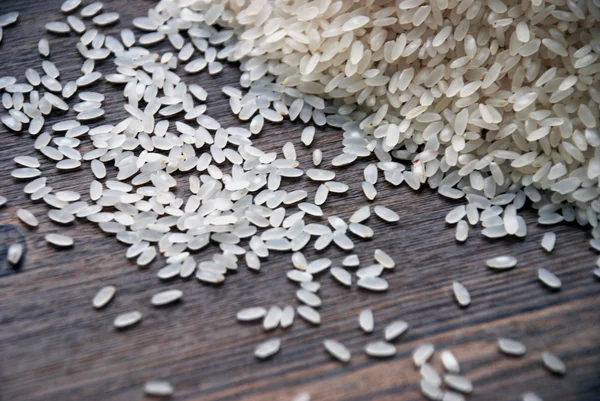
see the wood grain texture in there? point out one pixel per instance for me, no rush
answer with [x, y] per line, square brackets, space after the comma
[55, 347]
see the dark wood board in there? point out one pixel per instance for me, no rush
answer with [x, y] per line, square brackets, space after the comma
[55, 347]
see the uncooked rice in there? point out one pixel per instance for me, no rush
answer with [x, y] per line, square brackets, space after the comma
[268, 348]
[429, 374]
[309, 314]
[491, 105]
[380, 349]
[253, 313]
[502, 262]
[27, 217]
[449, 361]
[511, 347]
[395, 330]
[272, 318]
[458, 383]
[373, 284]
[166, 297]
[103, 296]
[549, 279]
[548, 241]
[158, 388]
[461, 294]
[127, 319]
[553, 363]
[337, 350]
[341, 275]
[366, 321]
[386, 213]
[308, 298]
[287, 317]
[529, 396]
[15, 251]
[422, 353]
[431, 391]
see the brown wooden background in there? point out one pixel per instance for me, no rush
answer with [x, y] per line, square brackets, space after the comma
[55, 346]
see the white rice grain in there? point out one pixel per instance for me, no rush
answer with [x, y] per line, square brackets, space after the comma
[337, 350]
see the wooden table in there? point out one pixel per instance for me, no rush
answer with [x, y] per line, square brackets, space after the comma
[55, 346]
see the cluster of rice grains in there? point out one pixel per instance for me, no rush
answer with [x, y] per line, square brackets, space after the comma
[494, 102]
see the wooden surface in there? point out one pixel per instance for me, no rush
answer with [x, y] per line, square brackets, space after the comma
[55, 347]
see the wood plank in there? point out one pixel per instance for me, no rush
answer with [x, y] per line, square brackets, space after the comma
[55, 346]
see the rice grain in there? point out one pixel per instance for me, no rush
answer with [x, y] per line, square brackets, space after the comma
[127, 319]
[267, 348]
[395, 330]
[461, 294]
[553, 363]
[337, 350]
[158, 388]
[103, 296]
[380, 349]
[366, 321]
[549, 279]
[27, 217]
[511, 347]
[166, 297]
[14, 254]
[309, 314]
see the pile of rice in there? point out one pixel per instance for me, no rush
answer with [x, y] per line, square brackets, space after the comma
[494, 101]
